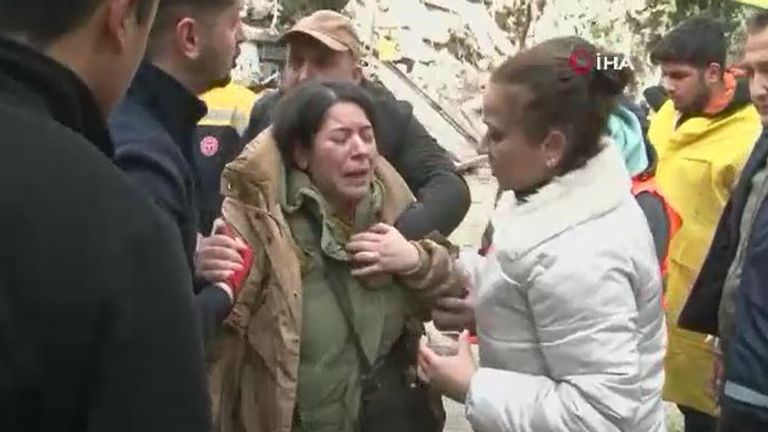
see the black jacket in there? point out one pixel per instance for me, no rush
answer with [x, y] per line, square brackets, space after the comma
[443, 196]
[747, 354]
[152, 129]
[96, 321]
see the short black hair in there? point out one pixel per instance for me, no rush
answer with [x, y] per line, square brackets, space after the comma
[697, 41]
[300, 114]
[41, 22]
[169, 12]
[757, 22]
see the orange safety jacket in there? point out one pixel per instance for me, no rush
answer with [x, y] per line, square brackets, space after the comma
[646, 183]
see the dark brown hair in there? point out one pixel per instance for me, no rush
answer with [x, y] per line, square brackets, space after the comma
[573, 98]
[697, 41]
[170, 11]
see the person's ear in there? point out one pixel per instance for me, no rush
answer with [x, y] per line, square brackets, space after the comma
[713, 73]
[121, 21]
[188, 37]
[301, 156]
[554, 148]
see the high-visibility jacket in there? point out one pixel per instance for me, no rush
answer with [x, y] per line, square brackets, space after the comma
[217, 141]
[645, 183]
[700, 159]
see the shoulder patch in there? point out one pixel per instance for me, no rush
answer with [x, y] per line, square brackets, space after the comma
[209, 146]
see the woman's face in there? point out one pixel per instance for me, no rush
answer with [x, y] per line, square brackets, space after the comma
[518, 162]
[342, 156]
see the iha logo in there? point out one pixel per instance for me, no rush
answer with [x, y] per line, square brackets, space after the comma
[583, 60]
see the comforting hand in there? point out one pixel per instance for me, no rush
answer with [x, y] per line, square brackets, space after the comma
[382, 249]
[450, 375]
[455, 313]
[218, 257]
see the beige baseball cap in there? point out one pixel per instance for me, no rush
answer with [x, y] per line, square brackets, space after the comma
[332, 29]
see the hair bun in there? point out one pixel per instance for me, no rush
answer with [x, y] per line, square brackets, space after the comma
[611, 82]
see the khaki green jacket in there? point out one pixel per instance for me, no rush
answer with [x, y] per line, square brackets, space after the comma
[255, 361]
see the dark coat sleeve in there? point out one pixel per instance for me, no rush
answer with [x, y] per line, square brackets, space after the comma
[442, 194]
[154, 175]
[658, 222]
[213, 306]
[261, 116]
[158, 177]
[151, 355]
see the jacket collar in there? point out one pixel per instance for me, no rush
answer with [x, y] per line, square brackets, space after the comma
[299, 192]
[732, 98]
[34, 81]
[577, 197]
[175, 107]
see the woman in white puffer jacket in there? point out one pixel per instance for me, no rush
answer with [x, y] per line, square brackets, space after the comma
[568, 300]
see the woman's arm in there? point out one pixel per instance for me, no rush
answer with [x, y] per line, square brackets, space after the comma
[585, 317]
[437, 274]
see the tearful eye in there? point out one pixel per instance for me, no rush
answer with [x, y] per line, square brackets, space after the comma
[367, 136]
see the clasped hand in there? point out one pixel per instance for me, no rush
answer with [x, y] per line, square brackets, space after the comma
[382, 249]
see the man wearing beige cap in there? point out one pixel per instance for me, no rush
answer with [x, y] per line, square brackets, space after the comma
[325, 45]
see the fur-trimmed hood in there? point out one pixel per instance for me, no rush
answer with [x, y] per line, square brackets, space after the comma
[579, 196]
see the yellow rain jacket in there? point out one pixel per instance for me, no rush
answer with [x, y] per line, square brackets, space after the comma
[699, 163]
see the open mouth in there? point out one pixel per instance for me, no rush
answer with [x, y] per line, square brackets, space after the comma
[359, 174]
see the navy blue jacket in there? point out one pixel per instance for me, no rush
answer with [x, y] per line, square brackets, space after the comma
[747, 355]
[152, 129]
[443, 196]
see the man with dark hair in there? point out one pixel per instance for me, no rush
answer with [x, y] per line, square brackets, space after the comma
[692, 59]
[729, 298]
[96, 321]
[192, 49]
[325, 45]
[703, 135]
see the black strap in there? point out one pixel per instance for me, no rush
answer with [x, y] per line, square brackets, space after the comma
[342, 298]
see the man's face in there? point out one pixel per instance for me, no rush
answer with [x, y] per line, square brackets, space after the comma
[308, 58]
[756, 65]
[220, 45]
[686, 86]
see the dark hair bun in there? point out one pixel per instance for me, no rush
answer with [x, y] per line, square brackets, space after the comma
[612, 82]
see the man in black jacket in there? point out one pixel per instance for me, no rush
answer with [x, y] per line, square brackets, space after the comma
[192, 48]
[730, 296]
[96, 322]
[325, 45]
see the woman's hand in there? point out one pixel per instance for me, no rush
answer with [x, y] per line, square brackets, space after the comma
[451, 375]
[455, 313]
[382, 249]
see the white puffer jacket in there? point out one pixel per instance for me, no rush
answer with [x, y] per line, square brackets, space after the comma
[569, 316]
